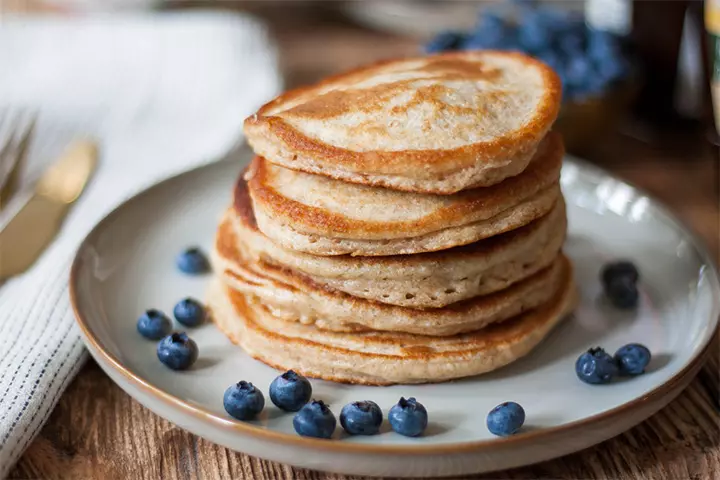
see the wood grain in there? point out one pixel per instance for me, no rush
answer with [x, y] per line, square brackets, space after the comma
[98, 432]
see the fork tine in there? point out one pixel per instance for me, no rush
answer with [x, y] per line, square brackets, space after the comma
[16, 129]
[8, 185]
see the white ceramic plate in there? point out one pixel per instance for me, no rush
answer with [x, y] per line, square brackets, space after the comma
[126, 265]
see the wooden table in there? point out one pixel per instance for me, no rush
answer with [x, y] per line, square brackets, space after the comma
[98, 432]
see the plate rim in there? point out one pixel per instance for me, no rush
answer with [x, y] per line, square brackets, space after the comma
[524, 438]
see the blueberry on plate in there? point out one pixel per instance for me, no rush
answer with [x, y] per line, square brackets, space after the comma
[622, 293]
[445, 41]
[290, 391]
[243, 401]
[177, 351]
[408, 417]
[620, 269]
[154, 324]
[596, 366]
[315, 420]
[192, 261]
[505, 419]
[632, 359]
[189, 312]
[361, 418]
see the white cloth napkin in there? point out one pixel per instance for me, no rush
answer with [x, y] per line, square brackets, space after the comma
[162, 92]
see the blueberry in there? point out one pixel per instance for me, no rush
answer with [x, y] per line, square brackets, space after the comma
[505, 419]
[290, 391]
[595, 366]
[613, 69]
[445, 41]
[480, 42]
[491, 32]
[577, 71]
[552, 19]
[189, 312]
[620, 268]
[243, 401]
[593, 86]
[361, 418]
[315, 420]
[533, 33]
[632, 359]
[408, 417]
[177, 351]
[601, 44]
[550, 58]
[154, 324]
[571, 44]
[623, 293]
[193, 262]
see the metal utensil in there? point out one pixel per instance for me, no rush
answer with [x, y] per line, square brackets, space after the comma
[16, 128]
[36, 224]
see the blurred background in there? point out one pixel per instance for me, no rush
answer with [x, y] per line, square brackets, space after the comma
[637, 75]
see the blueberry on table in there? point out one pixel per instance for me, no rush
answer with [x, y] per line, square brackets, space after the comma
[505, 419]
[243, 401]
[409, 417]
[177, 351]
[315, 420]
[596, 366]
[154, 324]
[632, 359]
[192, 261]
[189, 312]
[290, 391]
[361, 418]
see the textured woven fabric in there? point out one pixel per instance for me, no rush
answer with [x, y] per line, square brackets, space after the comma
[161, 93]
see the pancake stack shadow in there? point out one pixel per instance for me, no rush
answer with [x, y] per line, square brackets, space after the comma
[401, 223]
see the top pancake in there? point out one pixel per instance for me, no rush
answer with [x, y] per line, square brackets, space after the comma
[322, 216]
[435, 124]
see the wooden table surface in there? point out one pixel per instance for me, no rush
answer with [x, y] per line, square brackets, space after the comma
[99, 432]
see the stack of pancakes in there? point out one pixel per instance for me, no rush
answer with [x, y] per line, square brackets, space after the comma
[402, 223]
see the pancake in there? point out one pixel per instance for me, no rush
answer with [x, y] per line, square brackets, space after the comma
[381, 358]
[296, 298]
[322, 216]
[435, 124]
[426, 280]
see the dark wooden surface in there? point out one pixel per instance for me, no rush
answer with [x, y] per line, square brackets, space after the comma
[98, 432]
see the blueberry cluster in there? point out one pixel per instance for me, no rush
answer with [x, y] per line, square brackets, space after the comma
[588, 61]
[596, 366]
[292, 392]
[175, 350]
